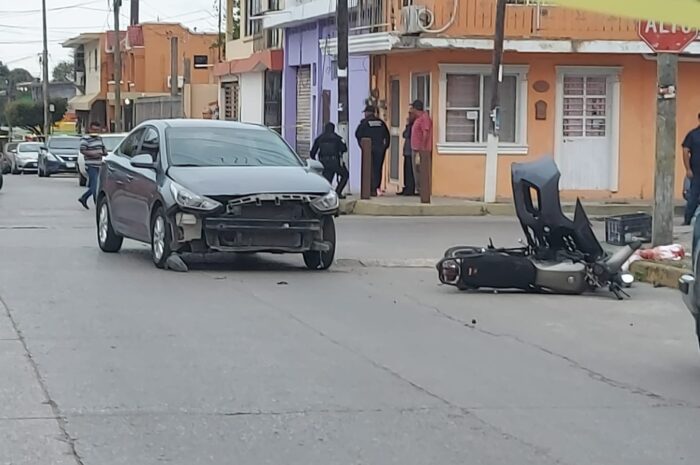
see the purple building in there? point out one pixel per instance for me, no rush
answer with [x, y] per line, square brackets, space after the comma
[310, 90]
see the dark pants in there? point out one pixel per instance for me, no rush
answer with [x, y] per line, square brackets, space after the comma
[409, 184]
[92, 174]
[377, 166]
[332, 168]
[693, 196]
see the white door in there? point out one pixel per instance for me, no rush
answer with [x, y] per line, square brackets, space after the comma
[585, 132]
[303, 130]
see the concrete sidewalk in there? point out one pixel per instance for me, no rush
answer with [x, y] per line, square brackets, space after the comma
[392, 205]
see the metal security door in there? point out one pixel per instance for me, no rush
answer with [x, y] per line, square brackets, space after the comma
[303, 129]
[585, 132]
[231, 101]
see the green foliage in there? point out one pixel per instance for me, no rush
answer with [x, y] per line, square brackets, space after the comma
[30, 115]
[63, 72]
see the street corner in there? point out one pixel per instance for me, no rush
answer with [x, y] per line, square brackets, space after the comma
[664, 273]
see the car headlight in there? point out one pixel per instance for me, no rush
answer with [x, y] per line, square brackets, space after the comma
[188, 199]
[328, 202]
[50, 156]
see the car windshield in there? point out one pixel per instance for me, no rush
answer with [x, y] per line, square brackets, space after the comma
[228, 146]
[33, 147]
[111, 142]
[64, 143]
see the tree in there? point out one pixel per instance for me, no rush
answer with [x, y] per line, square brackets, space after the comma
[30, 115]
[63, 72]
[236, 26]
[8, 86]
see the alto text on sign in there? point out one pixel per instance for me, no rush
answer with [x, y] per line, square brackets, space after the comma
[666, 38]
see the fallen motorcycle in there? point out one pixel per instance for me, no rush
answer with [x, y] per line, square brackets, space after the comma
[561, 256]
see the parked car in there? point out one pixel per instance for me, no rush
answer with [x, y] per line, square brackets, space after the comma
[688, 285]
[60, 155]
[7, 156]
[206, 185]
[25, 157]
[111, 141]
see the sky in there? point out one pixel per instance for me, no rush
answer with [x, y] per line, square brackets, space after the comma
[20, 24]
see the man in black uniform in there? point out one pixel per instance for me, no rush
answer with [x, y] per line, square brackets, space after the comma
[330, 149]
[374, 128]
[691, 161]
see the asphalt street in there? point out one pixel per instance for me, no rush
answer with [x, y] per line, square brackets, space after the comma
[105, 360]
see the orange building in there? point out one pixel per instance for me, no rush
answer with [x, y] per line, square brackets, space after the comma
[146, 58]
[578, 86]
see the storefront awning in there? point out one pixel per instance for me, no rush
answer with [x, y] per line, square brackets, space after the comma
[679, 12]
[82, 102]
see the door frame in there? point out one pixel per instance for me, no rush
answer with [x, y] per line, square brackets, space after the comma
[395, 132]
[613, 91]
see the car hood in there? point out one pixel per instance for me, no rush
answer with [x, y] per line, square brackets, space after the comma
[28, 155]
[62, 152]
[246, 180]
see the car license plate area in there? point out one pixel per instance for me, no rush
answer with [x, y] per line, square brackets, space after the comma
[285, 239]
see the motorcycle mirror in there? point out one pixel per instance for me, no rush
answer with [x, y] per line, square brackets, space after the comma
[627, 279]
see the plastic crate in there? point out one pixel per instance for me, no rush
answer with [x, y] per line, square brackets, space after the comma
[623, 229]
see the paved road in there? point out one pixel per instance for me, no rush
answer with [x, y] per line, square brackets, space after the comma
[105, 360]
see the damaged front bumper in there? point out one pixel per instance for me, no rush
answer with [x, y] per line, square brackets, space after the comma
[204, 233]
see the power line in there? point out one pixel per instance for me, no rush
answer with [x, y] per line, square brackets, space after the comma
[56, 8]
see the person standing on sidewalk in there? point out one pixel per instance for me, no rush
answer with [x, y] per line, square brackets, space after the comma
[691, 161]
[374, 128]
[409, 183]
[93, 149]
[330, 149]
[421, 138]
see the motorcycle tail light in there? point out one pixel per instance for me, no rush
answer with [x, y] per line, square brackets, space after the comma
[450, 271]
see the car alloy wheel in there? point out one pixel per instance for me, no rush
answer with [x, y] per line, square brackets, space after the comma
[160, 238]
[108, 240]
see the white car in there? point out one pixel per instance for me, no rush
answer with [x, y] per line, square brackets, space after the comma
[25, 157]
[111, 141]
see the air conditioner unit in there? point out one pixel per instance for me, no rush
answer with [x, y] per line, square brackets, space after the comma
[411, 19]
[180, 82]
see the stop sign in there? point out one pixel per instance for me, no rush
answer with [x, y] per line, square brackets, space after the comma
[669, 38]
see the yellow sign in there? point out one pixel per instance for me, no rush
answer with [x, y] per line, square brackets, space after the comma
[681, 12]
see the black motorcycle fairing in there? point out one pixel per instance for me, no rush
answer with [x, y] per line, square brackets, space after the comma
[548, 231]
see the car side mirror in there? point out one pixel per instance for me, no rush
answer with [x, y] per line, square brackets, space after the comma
[13, 151]
[143, 160]
[314, 165]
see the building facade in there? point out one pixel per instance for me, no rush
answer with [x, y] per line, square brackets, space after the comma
[310, 81]
[250, 80]
[145, 55]
[577, 86]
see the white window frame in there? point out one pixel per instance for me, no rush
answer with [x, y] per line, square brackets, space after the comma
[428, 88]
[520, 147]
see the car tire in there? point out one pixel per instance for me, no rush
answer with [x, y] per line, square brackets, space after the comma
[316, 260]
[160, 238]
[108, 240]
[82, 180]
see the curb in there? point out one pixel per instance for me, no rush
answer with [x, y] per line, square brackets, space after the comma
[374, 208]
[659, 274]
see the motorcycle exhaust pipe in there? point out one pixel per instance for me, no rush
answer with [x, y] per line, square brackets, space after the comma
[615, 261]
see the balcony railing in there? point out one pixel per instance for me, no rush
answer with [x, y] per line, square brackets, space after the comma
[476, 18]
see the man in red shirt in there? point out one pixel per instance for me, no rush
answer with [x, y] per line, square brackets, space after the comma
[421, 138]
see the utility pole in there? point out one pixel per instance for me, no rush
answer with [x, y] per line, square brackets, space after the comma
[117, 55]
[173, 66]
[491, 170]
[343, 97]
[219, 40]
[667, 74]
[134, 18]
[45, 73]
